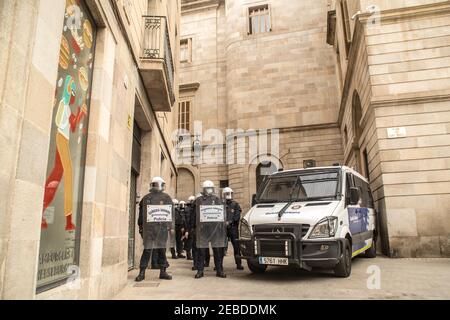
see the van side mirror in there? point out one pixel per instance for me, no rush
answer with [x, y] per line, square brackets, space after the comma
[354, 196]
[254, 200]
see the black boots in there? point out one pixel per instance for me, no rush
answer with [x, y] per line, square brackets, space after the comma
[240, 267]
[181, 256]
[199, 275]
[163, 275]
[221, 274]
[189, 256]
[174, 254]
[141, 276]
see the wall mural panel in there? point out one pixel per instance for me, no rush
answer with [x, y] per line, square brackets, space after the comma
[61, 216]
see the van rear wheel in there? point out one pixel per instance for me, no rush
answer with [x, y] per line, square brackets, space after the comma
[344, 267]
[372, 251]
[255, 267]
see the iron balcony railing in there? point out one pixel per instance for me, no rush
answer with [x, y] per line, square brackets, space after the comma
[156, 46]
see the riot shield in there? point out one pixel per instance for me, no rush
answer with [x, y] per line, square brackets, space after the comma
[159, 221]
[211, 225]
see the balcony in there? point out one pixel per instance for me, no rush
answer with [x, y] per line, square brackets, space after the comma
[156, 65]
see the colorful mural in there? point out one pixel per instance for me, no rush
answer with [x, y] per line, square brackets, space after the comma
[64, 186]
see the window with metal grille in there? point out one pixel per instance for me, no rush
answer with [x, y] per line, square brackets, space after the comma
[184, 115]
[259, 19]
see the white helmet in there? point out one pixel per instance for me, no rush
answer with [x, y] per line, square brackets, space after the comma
[208, 187]
[175, 202]
[158, 184]
[227, 193]
[182, 204]
[191, 199]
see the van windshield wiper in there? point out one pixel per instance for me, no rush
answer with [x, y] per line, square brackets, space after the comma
[282, 211]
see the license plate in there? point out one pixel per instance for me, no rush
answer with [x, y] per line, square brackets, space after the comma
[274, 261]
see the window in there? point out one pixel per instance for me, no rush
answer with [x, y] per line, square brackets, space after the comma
[224, 184]
[366, 164]
[259, 19]
[307, 186]
[366, 195]
[345, 136]
[59, 245]
[184, 115]
[185, 50]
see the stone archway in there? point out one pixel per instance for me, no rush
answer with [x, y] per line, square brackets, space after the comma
[267, 162]
[187, 183]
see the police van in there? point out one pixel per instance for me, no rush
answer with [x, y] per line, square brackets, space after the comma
[315, 217]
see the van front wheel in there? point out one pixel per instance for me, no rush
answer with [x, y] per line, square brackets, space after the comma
[344, 267]
[255, 267]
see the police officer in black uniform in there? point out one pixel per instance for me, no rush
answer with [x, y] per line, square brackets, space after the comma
[155, 234]
[193, 237]
[172, 249]
[233, 217]
[211, 232]
[189, 212]
[180, 228]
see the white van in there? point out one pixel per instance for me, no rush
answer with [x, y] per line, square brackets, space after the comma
[316, 217]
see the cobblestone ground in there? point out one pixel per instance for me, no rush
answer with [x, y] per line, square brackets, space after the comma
[400, 279]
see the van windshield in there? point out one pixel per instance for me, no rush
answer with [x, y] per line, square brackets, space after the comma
[308, 186]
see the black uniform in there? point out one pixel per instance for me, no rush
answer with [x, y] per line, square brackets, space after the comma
[188, 242]
[158, 255]
[192, 238]
[180, 226]
[233, 217]
[217, 236]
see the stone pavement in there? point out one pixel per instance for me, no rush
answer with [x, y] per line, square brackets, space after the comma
[400, 279]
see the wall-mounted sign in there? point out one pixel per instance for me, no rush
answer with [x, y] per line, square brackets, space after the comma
[395, 133]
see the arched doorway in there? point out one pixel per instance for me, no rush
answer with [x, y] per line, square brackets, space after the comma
[185, 184]
[265, 168]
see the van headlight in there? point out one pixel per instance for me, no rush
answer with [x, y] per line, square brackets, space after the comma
[325, 228]
[245, 230]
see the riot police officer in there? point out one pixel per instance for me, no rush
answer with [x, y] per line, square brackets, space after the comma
[156, 223]
[233, 210]
[188, 236]
[172, 249]
[210, 229]
[180, 228]
[193, 237]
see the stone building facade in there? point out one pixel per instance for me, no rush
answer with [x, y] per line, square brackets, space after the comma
[394, 91]
[360, 83]
[238, 80]
[101, 56]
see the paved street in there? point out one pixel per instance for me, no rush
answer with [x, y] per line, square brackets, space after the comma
[400, 279]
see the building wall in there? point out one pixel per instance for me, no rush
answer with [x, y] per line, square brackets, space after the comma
[30, 46]
[284, 79]
[405, 69]
[278, 79]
